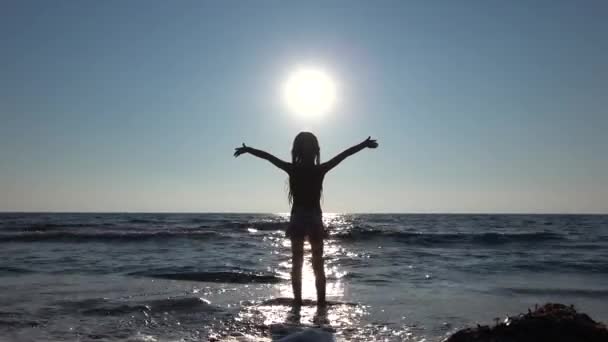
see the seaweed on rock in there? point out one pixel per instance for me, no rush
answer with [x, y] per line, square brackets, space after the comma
[550, 322]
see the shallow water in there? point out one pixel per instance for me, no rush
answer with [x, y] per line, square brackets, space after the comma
[157, 277]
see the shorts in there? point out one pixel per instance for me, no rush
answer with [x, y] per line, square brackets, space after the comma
[306, 223]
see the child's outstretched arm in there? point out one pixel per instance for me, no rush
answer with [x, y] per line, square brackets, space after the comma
[369, 142]
[283, 165]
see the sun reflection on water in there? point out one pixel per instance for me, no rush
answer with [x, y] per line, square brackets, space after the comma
[279, 315]
[273, 315]
[333, 270]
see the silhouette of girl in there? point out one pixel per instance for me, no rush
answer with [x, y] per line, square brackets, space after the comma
[306, 175]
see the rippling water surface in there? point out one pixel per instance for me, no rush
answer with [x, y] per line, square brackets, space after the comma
[158, 277]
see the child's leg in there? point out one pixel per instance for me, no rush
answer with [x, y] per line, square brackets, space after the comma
[297, 258]
[316, 245]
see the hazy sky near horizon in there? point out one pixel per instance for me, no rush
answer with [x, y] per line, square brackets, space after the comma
[478, 106]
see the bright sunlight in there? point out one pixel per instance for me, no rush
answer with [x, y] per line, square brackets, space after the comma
[309, 92]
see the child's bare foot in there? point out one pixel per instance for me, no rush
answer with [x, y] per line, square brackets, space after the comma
[320, 316]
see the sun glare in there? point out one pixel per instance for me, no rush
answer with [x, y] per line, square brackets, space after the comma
[309, 92]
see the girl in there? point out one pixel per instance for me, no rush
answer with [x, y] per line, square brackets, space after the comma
[306, 175]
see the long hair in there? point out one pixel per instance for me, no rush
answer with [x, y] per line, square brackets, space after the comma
[305, 150]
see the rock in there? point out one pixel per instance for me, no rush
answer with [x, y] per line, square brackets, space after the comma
[551, 323]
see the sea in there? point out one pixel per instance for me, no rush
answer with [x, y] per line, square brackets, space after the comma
[225, 277]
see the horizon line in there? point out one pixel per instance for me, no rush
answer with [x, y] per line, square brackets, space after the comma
[281, 213]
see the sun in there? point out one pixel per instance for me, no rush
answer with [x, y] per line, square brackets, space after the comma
[309, 92]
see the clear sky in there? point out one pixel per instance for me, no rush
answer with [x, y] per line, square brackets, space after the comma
[478, 106]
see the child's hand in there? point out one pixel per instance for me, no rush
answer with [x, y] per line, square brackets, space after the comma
[240, 150]
[371, 143]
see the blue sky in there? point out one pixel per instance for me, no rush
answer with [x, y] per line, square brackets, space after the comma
[479, 106]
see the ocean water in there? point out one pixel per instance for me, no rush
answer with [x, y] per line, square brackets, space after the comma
[196, 277]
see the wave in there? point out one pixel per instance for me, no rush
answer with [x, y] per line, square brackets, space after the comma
[591, 293]
[136, 225]
[260, 225]
[533, 265]
[181, 304]
[161, 305]
[18, 324]
[47, 227]
[448, 238]
[143, 221]
[202, 233]
[115, 310]
[13, 270]
[215, 277]
[64, 236]
[103, 307]
[563, 266]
